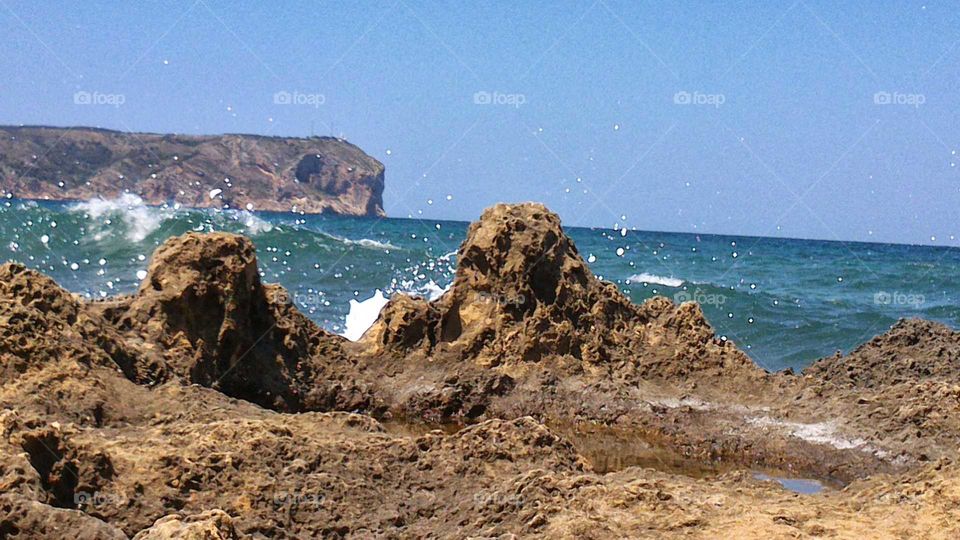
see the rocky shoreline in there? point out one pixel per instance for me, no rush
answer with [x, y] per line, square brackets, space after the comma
[530, 400]
[313, 175]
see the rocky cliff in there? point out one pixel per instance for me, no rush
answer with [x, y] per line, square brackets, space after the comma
[313, 175]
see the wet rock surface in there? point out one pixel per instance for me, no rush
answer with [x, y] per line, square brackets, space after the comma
[205, 406]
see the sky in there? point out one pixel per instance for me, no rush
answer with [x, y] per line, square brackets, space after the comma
[805, 119]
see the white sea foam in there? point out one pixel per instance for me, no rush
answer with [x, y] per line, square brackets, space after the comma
[253, 223]
[368, 243]
[362, 315]
[431, 291]
[363, 242]
[140, 219]
[825, 433]
[655, 280]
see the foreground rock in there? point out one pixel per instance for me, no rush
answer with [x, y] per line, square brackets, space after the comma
[205, 406]
[313, 175]
[526, 329]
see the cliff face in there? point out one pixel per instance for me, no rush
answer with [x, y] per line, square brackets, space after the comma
[314, 175]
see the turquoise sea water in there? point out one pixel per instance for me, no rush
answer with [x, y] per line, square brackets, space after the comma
[785, 302]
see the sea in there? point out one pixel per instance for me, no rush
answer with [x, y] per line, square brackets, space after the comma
[784, 302]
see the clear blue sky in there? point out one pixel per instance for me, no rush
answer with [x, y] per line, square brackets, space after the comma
[782, 131]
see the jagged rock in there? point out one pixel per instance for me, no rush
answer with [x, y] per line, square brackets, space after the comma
[101, 435]
[898, 389]
[522, 293]
[41, 324]
[911, 350]
[23, 519]
[210, 525]
[203, 304]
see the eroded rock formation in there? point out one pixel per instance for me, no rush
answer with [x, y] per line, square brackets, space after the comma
[205, 406]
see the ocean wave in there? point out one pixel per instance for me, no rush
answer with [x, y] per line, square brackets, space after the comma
[362, 315]
[368, 243]
[252, 223]
[140, 220]
[655, 280]
[363, 242]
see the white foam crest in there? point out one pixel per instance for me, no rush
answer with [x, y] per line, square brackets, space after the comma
[825, 433]
[431, 291]
[253, 223]
[363, 242]
[368, 243]
[655, 280]
[140, 219]
[362, 315]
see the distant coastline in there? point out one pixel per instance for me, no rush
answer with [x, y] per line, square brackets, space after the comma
[316, 175]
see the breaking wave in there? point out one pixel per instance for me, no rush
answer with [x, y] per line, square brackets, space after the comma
[654, 279]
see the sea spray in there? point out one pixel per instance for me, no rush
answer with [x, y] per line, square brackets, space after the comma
[773, 306]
